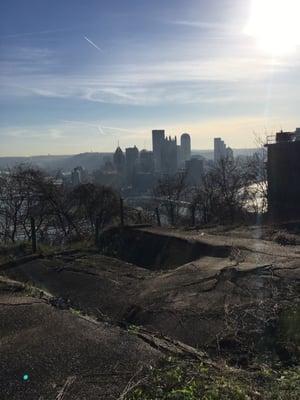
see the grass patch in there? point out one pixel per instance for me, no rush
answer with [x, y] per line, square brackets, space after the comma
[12, 251]
[189, 380]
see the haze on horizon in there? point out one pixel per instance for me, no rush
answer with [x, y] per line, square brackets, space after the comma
[78, 76]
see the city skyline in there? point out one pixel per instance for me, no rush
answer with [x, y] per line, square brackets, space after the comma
[76, 77]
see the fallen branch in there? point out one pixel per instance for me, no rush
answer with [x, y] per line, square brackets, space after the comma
[69, 381]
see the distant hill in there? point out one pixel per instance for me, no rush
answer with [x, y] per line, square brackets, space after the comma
[89, 161]
[38, 161]
[209, 154]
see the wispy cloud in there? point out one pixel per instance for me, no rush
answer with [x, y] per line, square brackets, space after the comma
[97, 126]
[66, 137]
[69, 136]
[209, 29]
[210, 80]
[199, 24]
[35, 33]
[25, 60]
[103, 129]
[184, 74]
[52, 133]
[92, 43]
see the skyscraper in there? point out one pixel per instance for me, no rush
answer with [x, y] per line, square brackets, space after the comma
[185, 144]
[158, 139]
[119, 160]
[132, 157]
[146, 161]
[169, 160]
[194, 170]
[219, 150]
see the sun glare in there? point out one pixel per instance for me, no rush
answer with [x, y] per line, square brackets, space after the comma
[275, 25]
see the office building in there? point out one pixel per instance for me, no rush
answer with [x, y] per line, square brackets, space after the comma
[132, 157]
[158, 139]
[194, 171]
[146, 161]
[219, 150]
[283, 170]
[185, 147]
[169, 160]
[119, 160]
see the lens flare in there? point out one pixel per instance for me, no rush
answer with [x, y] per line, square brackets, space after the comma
[275, 25]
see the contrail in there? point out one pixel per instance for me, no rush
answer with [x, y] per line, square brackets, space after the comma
[101, 131]
[92, 43]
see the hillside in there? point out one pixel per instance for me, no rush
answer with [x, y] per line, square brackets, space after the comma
[89, 161]
[227, 304]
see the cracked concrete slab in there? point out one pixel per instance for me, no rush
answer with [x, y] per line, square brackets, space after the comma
[227, 304]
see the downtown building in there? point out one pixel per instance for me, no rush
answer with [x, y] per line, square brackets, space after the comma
[221, 151]
[168, 156]
[283, 171]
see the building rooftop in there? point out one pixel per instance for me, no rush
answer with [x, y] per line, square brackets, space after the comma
[283, 137]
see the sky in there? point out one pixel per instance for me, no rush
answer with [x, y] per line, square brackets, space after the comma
[85, 75]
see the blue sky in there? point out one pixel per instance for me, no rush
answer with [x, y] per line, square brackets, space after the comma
[82, 75]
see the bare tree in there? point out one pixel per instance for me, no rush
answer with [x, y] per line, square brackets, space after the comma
[12, 203]
[224, 191]
[205, 199]
[26, 192]
[169, 193]
[90, 201]
[258, 191]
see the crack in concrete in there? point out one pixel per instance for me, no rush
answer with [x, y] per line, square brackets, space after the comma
[21, 304]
